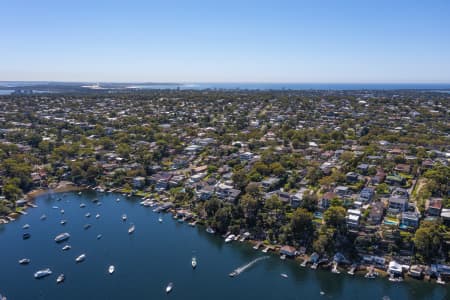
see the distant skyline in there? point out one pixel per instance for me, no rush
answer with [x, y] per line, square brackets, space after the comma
[226, 41]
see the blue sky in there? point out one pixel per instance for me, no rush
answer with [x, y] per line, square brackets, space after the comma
[226, 41]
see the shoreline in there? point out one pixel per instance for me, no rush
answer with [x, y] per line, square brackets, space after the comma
[361, 270]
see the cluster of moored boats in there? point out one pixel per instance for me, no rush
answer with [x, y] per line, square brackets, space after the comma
[63, 237]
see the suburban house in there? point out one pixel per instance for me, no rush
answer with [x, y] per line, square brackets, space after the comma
[398, 201]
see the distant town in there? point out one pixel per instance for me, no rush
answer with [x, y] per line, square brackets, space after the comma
[332, 178]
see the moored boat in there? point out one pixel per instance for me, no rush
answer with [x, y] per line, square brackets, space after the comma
[63, 222]
[194, 262]
[229, 238]
[131, 229]
[43, 217]
[99, 236]
[210, 230]
[169, 287]
[42, 273]
[160, 219]
[88, 215]
[80, 258]
[62, 237]
[60, 278]
[87, 226]
[24, 261]
[97, 216]
[26, 226]
[82, 205]
[111, 269]
[66, 247]
[26, 236]
[124, 217]
[284, 275]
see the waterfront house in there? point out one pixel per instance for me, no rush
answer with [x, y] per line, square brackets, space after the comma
[395, 268]
[270, 183]
[289, 251]
[138, 182]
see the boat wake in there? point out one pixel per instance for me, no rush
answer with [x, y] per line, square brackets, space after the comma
[246, 266]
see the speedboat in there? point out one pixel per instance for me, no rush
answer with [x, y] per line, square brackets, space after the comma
[62, 237]
[82, 205]
[66, 247]
[26, 236]
[62, 211]
[87, 226]
[210, 230]
[118, 199]
[194, 262]
[60, 278]
[97, 216]
[99, 236]
[24, 261]
[160, 219]
[42, 273]
[43, 217]
[232, 274]
[63, 222]
[230, 238]
[169, 287]
[80, 258]
[124, 217]
[284, 275]
[26, 226]
[87, 215]
[111, 269]
[131, 229]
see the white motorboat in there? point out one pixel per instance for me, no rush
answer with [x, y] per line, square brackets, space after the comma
[24, 261]
[97, 216]
[43, 217]
[26, 226]
[284, 275]
[111, 269]
[169, 287]
[62, 211]
[210, 230]
[131, 229]
[87, 215]
[194, 262]
[60, 278]
[118, 199]
[82, 205]
[230, 238]
[87, 226]
[66, 247]
[63, 222]
[124, 217]
[160, 219]
[42, 273]
[80, 258]
[99, 236]
[62, 237]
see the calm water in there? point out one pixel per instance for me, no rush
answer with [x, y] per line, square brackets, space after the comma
[158, 253]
